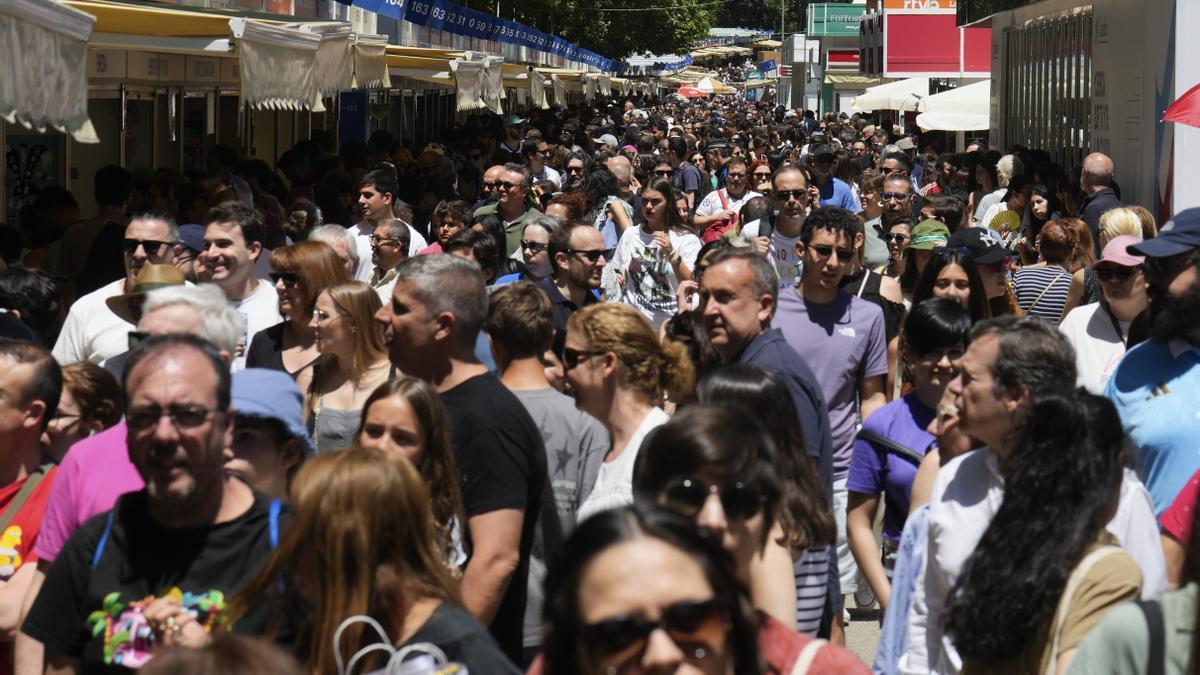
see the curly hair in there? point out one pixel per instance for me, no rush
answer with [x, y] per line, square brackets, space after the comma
[651, 367]
[1062, 480]
[574, 202]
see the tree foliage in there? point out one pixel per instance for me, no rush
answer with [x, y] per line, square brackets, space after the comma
[764, 14]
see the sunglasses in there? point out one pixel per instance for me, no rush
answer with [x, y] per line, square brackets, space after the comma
[533, 246]
[666, 172]
[946, 250]
[183, 417]
[289, 279]
[896, 196]
[572, 357]
[788, 195]
[504, 185]
[592, 256]
[1115, 272]
[574, 169]
[737, 175]
[688, 497]
[824, 251]
[151, 246]
[894, 236]
[623, 638]
[136, 337]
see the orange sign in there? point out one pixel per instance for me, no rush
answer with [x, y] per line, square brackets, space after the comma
[920, 4]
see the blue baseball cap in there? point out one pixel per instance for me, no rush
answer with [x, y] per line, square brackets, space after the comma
[1178, 235]
[192, 236]
[273, 395]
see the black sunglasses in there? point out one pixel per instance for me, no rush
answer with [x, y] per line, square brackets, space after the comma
[898, 196]
[151, 246]
[625, 636]
[572, 357]
[894, 236]
[574, 169]
[592, 256]
[789, 195]
[946, 250]
[136, 337]
[687, 497]
[289, 279]
[533, 246]
[825, 251]
[1115, 272]
[666, 172]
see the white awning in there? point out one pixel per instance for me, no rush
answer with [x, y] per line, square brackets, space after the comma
[43, 67]
[493, 83]
[900, 95]
[334, 66]
[537, 89]
[277, 65]
[966, 108]
[560, 91]
[468, 84]
[370, 62]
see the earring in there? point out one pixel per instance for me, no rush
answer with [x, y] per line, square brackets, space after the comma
[701, 653]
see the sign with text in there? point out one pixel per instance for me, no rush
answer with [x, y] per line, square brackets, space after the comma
[828, 19]
[920, 4]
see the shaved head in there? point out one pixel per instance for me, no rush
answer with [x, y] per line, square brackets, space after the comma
[1099, 166]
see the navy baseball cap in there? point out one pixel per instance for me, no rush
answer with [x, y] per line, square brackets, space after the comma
[983, 243]
[272, 395]
[1178, 235]
[192, 237]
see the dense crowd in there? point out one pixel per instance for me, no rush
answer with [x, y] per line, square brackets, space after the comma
[652, 386]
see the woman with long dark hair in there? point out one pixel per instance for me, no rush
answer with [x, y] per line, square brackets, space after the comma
[625, 575]
[804, 526]
[951, 274]
[1046, 570]
[894, 440]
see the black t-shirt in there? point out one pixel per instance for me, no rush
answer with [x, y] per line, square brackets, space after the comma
[502, 465]
[94, 611]
[459, 635]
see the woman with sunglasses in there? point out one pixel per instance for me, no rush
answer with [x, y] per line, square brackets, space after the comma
[300, 272]
[353, 363]
[897, 238]
[654, 256]
[708, 181]
[953, 274]
[619, 372]
[893, 441]
[805, 529]
[760, 176]
[718, 466]
[1126, 221]
[535, 242]
[1099, 331]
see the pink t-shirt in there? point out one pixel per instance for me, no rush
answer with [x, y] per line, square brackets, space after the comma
[94, 472]
[1177, 519]
[435, 247]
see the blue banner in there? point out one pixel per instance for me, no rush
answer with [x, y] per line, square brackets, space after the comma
[767, 66]
[455, 18]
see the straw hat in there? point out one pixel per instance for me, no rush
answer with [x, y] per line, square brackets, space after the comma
[150, 277]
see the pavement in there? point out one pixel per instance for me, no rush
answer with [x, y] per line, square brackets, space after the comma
[862, 634]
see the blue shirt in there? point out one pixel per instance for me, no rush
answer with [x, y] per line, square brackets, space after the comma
[910, 558]
[1156, 389]
[837, 193]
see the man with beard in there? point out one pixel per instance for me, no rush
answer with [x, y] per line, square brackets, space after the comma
[1156, 388]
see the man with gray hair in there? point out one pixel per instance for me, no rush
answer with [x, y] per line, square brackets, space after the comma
[343, 243]
[97, 469]
[92, 331]
[1010, 364]
[431, 323]
[389, 247]
[1099, 198]
[512, 187]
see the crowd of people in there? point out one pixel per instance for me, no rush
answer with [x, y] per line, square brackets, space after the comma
[649, 386]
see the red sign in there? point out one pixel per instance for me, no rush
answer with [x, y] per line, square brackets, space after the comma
[785, 71]
[843, 58]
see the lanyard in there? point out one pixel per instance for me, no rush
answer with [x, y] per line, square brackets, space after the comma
[1115, 324]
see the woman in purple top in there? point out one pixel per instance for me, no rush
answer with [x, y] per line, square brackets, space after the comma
[893, 440]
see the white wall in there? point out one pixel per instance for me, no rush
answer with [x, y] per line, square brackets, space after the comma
[1187, 139]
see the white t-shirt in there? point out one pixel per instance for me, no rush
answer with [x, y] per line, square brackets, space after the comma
[781, 251]
[550, 174]
[1098, 347]
[259, 310]
[92, 332]
[614, 483]
[650, 280]
[712, 202]
[362, 237]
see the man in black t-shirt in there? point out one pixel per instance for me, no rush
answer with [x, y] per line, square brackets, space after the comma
[159, 569]
[432, 322]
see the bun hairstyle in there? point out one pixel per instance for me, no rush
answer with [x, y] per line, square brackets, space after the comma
[651, 367]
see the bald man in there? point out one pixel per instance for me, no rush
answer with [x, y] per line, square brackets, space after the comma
[1100, 198]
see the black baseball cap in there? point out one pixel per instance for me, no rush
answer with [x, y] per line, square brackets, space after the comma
[984, 244]
[821, 150]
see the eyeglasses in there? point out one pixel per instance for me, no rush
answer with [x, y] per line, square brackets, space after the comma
[788, 195]
[623, 638]
[664, 172]
[574, 169]
[151, 246]
[380, 241]
[764, 175]
[136, 337]
[1168, 267]
[896, 196]
[592, 256]
[572, 357]
[503, 185]
[183, 417]
[1108, 273]
[289, 279]
[894, 236]
[533, 246]
[825, 251]
[687, 497]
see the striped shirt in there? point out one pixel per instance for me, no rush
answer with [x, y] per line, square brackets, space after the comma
[1042, 291]
[812, 574]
